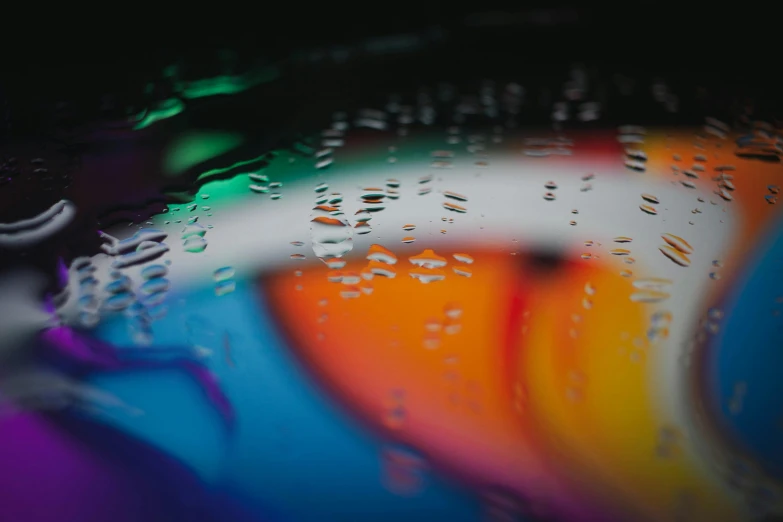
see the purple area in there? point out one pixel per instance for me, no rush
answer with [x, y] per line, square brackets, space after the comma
[55, 472]
[59, 468]
[77, 353]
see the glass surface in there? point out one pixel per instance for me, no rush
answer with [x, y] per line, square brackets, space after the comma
[479, 300]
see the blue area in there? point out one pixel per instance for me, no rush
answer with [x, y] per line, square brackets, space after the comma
[294, 451]
[750, 350]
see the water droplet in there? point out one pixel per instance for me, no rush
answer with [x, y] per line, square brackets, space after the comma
[154, 285]
[675, 255]
[428, 259]
[363, 227]
[650, 199]
[587, 255]
[331, 236]
[549, 196]
[550, 185]
[381, 269]
[649, 296]
[619, 251]
[193, 230]
[463, 271]
[427, 275]
[195, 244]
[123, 284]
[622, 239]
[225, 286]
[258, 177]
[454, 195]
[648, 209]
[454, 207]
[464, 258]
[409, 227]
[678, 243]
[119, 301]
[324, 163]
[351, 292]
[381, 254]
[636, 165]
[652, 283]
[223, 273]
[714, 275]
[408, 239]
[404, 470]
[453, 310]
[321, 187]
[298, 256]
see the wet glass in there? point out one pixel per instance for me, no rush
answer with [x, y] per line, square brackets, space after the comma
[321, 288]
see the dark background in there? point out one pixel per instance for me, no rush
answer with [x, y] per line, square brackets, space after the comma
[730, 44]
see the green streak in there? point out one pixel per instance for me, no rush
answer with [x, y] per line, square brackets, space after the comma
[197, 147]
[166, 109]
[213, 172]
[228, 84]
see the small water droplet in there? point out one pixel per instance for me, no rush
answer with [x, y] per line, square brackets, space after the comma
[678, 243]
[195, 244]
[223, 273]
[675, 255]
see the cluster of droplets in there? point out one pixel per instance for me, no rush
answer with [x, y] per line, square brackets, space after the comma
[87, 301]
[193, 239]
[428, 266]
[144, 246]
[224, 280]
[649, 205]
[260, 184]
[636, 159]
[380, 262]
[404, 469]
[574, 99]
[676, 249]
[761, 143]
[550, 186]
[449, 323]
[546, 147]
